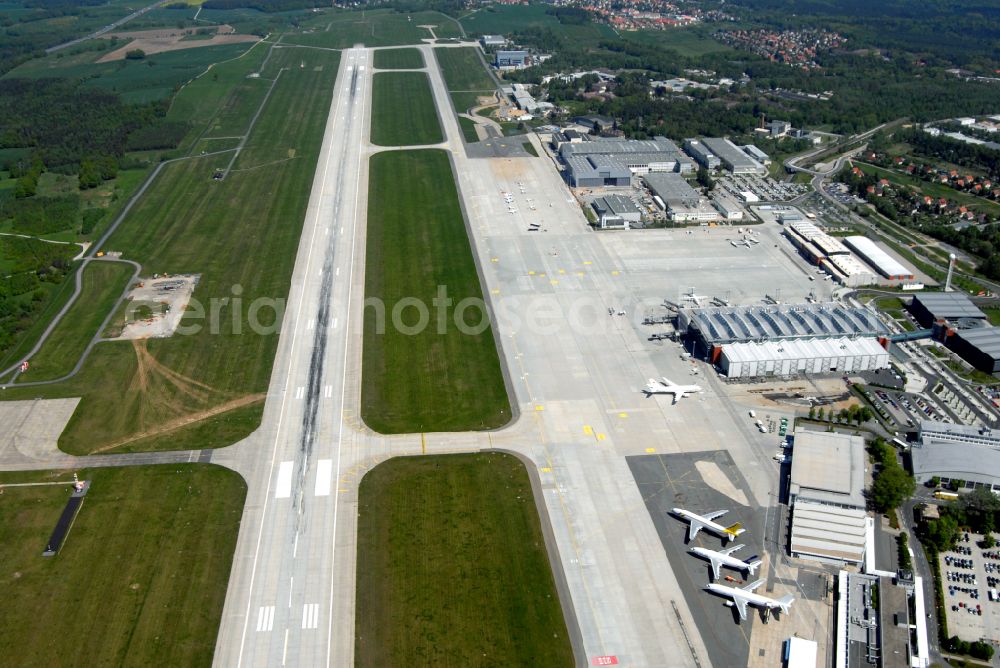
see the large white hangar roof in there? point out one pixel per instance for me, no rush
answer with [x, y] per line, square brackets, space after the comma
[802, 350]
[730, 324]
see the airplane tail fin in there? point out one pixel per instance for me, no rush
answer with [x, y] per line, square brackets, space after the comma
[785, 602]
[734, 530]
[753, 565]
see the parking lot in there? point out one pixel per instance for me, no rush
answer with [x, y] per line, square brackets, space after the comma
[970, 577]
[764, 187]
[840, 192]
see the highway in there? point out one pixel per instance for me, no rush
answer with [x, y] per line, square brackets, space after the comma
[278, 608]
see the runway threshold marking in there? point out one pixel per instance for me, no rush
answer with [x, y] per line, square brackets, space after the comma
[324, 475]
[283, 486]
[310, 615]
[265, 618]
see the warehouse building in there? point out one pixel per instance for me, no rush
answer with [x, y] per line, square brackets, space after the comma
[511, 60]
[492, 40]
[682, 202]
[953, 307]
[616, 211]
[733, 158]
[727, 208]
[701, 154]
[979, 346]
[827, 252]
[882, 262]
[757, 154]
[614, 161]
[957, 452]
[826, 494]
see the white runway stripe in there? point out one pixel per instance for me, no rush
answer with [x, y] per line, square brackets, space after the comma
[310, 615]
[324, 469]
[265, 618]
[283, 486]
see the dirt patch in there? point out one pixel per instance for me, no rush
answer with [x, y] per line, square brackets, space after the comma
[158, 41]
[154, 307]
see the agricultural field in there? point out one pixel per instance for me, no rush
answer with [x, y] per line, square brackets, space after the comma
[452, 567]
[141, 578]
[183, 391]
[505, 19]
[102, 285]
[403, 111]
[417, 241]
[399, 59]
[375, 28]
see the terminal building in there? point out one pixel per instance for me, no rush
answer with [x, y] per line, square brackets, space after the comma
[786, 339]
[733, 157]
[512, 60]
[826, 494]
[957, 452]
[882, 262]
[961, 326]
[616, 212]
[874, 623]
[952, 307]
[682, 202]
[613, 162]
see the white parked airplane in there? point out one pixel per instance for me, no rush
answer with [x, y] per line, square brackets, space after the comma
[698, 522]
[741, 596]
[665, 386]
[722, 558]
[690, 296]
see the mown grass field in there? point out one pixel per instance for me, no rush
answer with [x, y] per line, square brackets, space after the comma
[374, 28]
[103, 283]
[141, 578]
[417, 241]
[403, 112]
[688, 42]
[505, 19]
[468, 129]
[462, 69]
[398, 59]
[206, 389]
[452, 567]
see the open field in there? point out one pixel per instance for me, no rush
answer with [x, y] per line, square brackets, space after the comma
[161, 41]
[452, 569]
[398, 59]
[689, 42]
[141, 578]
[462, 69]
[933, 189]
[468, 129]
[417, 241]
[208, 385]
[375, 28]
[103, 284]
[403, 112]
[504, 19]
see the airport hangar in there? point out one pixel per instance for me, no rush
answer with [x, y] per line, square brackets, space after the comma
[612, 162]
[826, 495]
[786, 339]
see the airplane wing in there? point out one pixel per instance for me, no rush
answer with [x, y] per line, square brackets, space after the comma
[741, 606]
[717, 513]
[753, 585]
[677, 397]
[693, 529]
[730, 550]
[715, 567]
[666, 381]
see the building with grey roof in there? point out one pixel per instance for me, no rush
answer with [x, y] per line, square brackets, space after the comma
[492, 40]
[506, 60]
[701, 154]
[979, 346]
[826, 492]
[718, 325]
[732, 157]
[682, 202]
[614, 161]
[957, 452]
[616, 211]
[953, 307]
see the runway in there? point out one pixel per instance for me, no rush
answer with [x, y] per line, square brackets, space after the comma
[278, 606]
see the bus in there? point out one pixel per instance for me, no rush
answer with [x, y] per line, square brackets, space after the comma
[945, 496]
